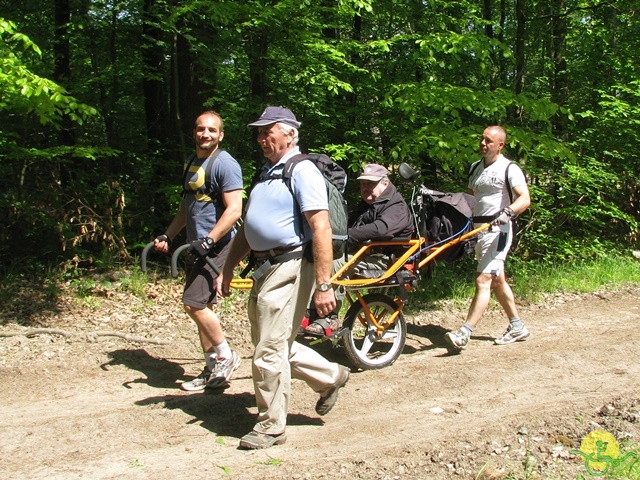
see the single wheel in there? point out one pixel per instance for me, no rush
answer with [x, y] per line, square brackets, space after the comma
[364, 346]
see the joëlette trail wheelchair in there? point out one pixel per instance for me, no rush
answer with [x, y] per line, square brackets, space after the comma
[374, 330]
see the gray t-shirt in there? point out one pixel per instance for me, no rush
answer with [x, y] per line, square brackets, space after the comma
[272, 219]
[202, 210]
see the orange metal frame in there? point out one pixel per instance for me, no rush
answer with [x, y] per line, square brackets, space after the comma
[368, 314]
[412, 246]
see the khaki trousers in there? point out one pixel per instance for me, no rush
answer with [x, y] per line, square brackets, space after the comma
[277, 303]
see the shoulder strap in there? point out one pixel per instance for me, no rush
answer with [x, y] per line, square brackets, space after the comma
[208, 174]
[507, 183]
[284, 173]
[208, 182]
[287, 172]
[185, 172]
[473, 168]
[289, 165]
[506, 177]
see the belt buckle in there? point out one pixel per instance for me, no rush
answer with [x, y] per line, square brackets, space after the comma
[266, 254]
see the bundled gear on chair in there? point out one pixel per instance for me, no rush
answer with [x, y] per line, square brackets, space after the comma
[445, 216]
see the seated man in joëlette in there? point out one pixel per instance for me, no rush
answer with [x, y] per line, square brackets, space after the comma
[382, 214]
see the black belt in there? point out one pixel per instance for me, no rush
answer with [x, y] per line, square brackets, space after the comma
[265, 263]
[285, 257]
[275, 252]
[273, 256]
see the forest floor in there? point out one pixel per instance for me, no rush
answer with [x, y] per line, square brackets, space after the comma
[90, 395]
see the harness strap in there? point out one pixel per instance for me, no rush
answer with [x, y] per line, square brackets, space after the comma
[485, 218]
[264, 264]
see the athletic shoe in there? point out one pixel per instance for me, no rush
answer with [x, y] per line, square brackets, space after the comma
[198, 383]
[459, 339]
[326, 403]
[256, 440]
[222, 371]
[512, 335]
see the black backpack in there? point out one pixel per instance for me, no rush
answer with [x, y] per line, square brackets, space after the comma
[448, 215]
[335, 179]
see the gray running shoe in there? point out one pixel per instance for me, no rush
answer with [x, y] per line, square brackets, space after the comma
[458, 339]
[512, 335]
[256, 440]
[223, 370]
[198, 383]
[326, 403]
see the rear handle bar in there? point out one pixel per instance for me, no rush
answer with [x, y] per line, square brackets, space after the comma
[176, 255]
[174, 259]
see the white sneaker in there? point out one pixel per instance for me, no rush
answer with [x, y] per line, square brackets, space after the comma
[459, 339]
[198, 383]
[223, 370]
[512, 335]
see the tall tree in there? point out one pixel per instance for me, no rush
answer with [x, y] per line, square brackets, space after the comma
[62, 56]
[154, 53]
[559, 77]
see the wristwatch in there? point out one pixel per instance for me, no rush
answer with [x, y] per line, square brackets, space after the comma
[208, 241]
[323, 287]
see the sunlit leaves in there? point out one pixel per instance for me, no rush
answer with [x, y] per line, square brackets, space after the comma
[26, 92]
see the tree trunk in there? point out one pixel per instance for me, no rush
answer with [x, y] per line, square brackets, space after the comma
[257, 51]
[560, 81]
[153, 79]
[187, 98]
[519, 47]
[62, 60]
[488, 30]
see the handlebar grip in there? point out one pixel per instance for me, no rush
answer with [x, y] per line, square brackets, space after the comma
[176, 254]
[143, 257]
[174, 259]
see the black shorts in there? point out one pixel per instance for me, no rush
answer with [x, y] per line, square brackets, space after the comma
[200, 288]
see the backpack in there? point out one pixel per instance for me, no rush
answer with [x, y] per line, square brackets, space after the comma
[335, 179]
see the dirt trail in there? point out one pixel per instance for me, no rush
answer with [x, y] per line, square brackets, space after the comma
[108, 408]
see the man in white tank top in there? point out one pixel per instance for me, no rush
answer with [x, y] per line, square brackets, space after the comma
[489, 182]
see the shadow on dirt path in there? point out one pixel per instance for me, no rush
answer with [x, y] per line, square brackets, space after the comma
[107, 409]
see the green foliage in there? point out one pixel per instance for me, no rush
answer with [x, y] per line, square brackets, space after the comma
[92, 160]
[629, 469]
[577, 198]
[226, 470]
[530, 280]
[24, 92]
[534, 279]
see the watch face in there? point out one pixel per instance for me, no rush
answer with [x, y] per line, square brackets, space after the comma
[323, 287]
